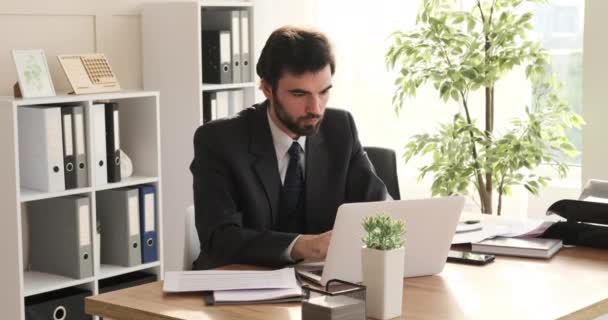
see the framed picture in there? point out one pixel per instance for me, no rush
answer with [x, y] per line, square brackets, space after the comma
[33, 73]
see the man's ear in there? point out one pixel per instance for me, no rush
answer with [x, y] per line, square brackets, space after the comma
[266, 89]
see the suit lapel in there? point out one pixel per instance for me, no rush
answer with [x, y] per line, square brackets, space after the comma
[265, 163]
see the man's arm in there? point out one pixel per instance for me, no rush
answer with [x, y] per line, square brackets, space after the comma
[219, 223]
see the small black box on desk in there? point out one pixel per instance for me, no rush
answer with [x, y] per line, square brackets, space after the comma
[64, 304]
[125, 281]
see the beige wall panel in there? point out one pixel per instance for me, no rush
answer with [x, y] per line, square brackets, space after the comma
[45, 7]
[54, 34]
[121, 43]
[595, 107]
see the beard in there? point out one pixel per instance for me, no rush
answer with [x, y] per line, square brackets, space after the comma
[296, 125]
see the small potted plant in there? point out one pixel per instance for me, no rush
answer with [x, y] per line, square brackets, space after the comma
[382, 258]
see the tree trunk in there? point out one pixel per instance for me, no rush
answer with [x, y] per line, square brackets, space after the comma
[487, 203]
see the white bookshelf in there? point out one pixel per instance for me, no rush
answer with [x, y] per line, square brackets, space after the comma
[140, 139]
[172, 64]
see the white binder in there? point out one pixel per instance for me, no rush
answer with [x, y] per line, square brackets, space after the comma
[98, 127]
[41, 148]
[235, 98]
[236, 46]
[245, 59]
[222, 100]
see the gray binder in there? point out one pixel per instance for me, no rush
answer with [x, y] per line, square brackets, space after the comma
[118, 212]
[245, 57]
[60, 236]
[80, 151]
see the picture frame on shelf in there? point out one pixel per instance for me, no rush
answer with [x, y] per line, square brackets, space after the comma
[34, 78]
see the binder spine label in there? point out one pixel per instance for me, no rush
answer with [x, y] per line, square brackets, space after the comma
[85, 225]
[149, 208]
[133, 212]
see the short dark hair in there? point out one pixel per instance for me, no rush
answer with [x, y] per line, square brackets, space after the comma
[296, 50]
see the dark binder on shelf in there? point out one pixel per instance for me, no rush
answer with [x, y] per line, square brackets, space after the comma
[147, 223]
[113, 141]
[125, 281]
[60, 236]
[80, 149]
[209, 107]
[118, 212]
[40, 148]
[69, 158]
[65, 304]
[245, 58]
[216, 56]
[99, 158]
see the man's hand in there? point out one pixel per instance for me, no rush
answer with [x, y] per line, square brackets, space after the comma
[311, 247]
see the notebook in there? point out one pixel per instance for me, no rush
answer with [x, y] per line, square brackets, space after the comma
[522, 247]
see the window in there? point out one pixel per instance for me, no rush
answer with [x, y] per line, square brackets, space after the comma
[559, 26]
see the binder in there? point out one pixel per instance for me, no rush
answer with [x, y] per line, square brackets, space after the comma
[40, 148]
[222, 104]
[118, 212]
[216, 56]
[209, 105]
[69, 158]
[245, 58]
[147, 225]
[60, 304]
[235, 101]
[236, 45]
[98, 127]
[80, 151]
[113, 141]
[60, 236]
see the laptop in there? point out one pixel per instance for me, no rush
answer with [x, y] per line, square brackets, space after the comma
[430, 227]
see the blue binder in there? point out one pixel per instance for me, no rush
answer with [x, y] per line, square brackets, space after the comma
[147, 225]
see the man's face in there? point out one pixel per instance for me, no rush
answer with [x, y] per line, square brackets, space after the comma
[299, 101]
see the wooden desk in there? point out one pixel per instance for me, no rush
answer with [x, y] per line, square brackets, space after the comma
[509, 288]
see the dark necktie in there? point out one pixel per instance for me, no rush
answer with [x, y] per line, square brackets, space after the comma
[292, 200]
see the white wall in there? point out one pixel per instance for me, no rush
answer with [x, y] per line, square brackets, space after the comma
[113, 27]
[595, 105]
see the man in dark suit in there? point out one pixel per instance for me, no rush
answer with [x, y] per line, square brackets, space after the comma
[268, 182]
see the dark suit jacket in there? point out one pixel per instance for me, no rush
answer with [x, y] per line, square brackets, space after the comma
[237, 185]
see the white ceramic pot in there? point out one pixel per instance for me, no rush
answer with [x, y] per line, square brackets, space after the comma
[383, 277]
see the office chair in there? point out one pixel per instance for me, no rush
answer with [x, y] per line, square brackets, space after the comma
[385, 163]
[192, 246]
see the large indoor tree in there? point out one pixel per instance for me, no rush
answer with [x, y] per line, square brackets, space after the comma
[462, 51]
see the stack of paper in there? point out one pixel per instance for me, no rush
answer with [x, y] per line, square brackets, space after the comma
[233, 287]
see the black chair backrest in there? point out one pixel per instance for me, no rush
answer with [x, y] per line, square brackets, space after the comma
[385, 163]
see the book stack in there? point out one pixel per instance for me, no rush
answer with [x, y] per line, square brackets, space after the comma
[333, 308]
[237, 286]
[521, 247]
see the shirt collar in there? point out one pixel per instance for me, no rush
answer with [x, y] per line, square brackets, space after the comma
[282, 141]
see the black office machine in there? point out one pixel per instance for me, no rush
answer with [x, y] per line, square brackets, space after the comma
[586, 219]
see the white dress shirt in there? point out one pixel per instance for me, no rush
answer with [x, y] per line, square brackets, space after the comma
[282, 143]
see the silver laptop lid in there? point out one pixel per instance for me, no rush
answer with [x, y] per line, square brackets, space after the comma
[430, 225]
